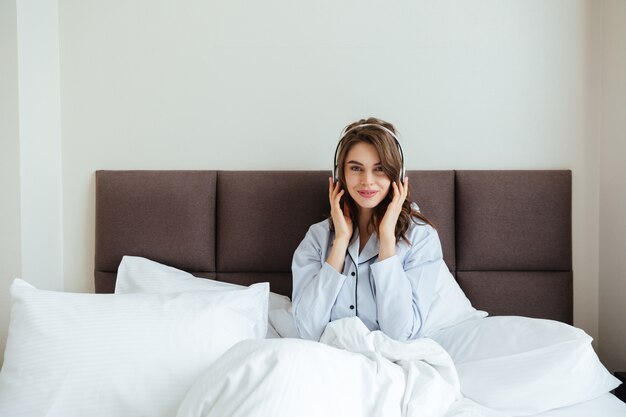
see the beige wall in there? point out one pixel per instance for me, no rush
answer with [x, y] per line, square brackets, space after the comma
[10, 242]
[612, 330]
[244, 85]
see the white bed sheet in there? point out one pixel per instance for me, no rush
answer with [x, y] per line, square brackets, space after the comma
[607, 405]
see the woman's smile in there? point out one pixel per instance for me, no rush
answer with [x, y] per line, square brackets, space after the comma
[367, 193]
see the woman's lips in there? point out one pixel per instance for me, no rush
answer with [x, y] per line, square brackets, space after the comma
[367, 193]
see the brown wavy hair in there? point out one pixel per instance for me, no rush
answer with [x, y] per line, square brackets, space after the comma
[391, 162]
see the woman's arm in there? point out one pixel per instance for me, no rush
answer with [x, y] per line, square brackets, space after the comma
[387, 227]
[337, 255]
[316, 284]
[405, 287]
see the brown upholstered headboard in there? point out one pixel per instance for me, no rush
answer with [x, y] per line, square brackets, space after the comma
[506, 235]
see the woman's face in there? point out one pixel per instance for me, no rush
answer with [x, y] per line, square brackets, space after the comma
[366, 182]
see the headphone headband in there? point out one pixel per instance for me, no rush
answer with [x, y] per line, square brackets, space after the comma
[344, 132]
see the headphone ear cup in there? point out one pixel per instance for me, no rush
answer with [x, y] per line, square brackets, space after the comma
[335, 165]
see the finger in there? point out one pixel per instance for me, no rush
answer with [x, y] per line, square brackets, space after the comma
[334, 189]
[338, 187]
[400, 186]
[337, 200]
[401, 194]
[396, 192]
[406, 186]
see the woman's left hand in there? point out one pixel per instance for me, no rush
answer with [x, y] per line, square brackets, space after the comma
[387, 227]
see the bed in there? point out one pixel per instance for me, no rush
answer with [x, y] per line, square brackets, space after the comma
[507, 243]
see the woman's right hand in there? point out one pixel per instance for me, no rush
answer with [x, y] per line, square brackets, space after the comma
[341, 216]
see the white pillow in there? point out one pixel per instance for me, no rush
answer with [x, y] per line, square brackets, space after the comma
[282, 321]
[137, 274]
[524, 366]
[450, 305]
[118, 355]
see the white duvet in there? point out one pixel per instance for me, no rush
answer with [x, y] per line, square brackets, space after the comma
[352, 372]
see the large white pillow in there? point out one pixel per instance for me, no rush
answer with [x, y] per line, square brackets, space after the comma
[524, 366]
[450, 305]
[118, 355]
[140, 275]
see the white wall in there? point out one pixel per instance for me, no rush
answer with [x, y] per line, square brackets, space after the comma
[10, 242]
[235, 85]
[246, 85]
[40, 143]
[613, 189]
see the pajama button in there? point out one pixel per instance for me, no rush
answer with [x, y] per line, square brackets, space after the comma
[352, 274]
[351, 307]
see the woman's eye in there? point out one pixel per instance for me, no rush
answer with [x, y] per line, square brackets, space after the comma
[355, 168]
[378, 169]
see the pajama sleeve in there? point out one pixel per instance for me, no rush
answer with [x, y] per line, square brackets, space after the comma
[405, 287]
[316, 285]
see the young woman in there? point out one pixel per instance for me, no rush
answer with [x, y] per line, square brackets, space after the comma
[376, 257]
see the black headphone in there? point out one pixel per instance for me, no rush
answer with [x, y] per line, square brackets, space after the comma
[345, 132]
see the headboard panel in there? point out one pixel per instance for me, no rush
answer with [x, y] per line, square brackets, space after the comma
[515, 231]
[506, 235]
[168, 216]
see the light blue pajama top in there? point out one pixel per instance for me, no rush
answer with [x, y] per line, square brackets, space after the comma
[393, 295]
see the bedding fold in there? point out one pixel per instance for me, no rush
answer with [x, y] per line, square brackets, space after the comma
[350, 372]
